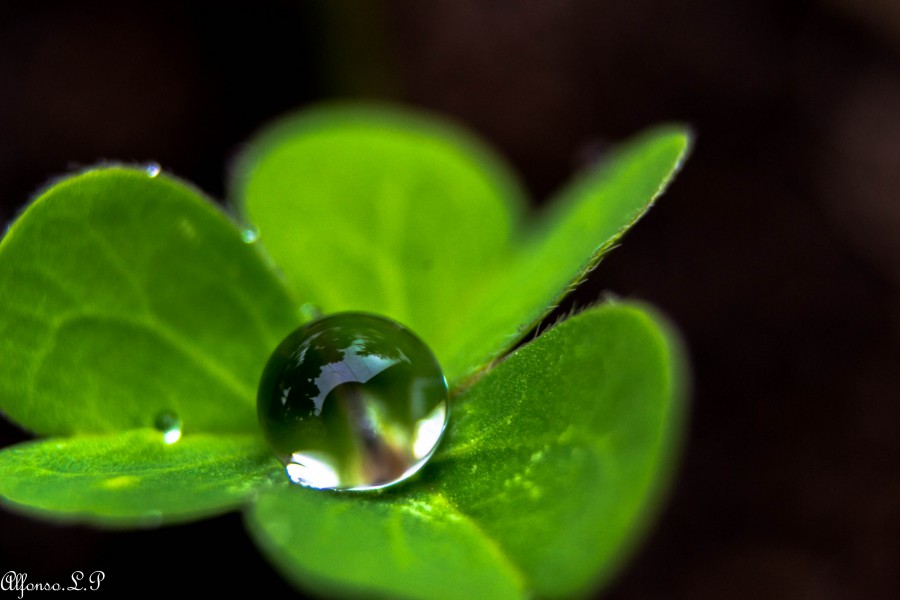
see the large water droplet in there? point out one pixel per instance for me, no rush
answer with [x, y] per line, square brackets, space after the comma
[352, 401]
[170, 425]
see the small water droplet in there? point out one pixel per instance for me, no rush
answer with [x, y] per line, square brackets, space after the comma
[152, 169]
[352, 401]
[250, 235]
[170, 425]
[309, 311]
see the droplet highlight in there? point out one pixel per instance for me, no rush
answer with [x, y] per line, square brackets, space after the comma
[170, 425]
[352, 401]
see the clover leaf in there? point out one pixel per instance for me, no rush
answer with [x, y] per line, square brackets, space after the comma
[127, 295]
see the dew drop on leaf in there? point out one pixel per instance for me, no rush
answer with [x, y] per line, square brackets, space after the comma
[152, 169]
[309, 312]
[250, 235]
[352, 401]
[169, 424]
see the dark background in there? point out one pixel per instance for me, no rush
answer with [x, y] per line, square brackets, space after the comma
[775, 250]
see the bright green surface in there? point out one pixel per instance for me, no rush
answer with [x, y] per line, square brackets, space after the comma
[353, 546]
[368, 210]
[125, 296]
[133, 478]
[551, 466]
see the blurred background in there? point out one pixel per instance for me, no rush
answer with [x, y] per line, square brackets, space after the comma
[776, 251]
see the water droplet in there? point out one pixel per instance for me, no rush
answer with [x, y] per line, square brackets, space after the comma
[170, 425]
[309, 311]
[352, 401]
[250, 235]
[152, 169]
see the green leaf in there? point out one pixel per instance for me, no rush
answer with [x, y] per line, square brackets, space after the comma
[370, 210]
[125, 295]
[134, 478]
[583, 222]
[391, 213]
[552, 466]
[347, 545]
